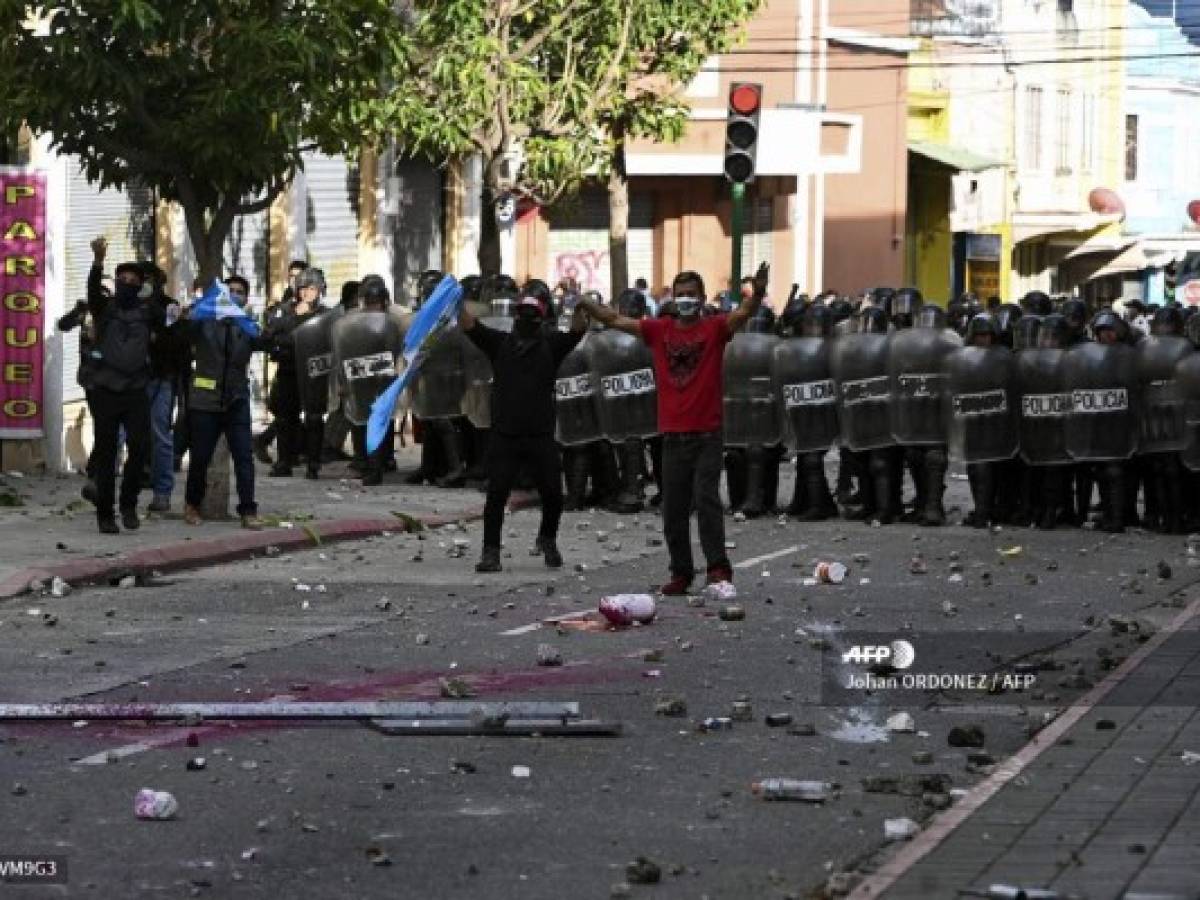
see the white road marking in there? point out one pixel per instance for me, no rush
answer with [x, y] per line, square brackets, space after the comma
[755, 560]
[542, 623]
[104, 756]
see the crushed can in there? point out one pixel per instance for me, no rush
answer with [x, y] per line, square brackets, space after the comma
[830, 572]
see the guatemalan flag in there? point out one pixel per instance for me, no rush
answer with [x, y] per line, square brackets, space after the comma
[436, 315]
[217, 304]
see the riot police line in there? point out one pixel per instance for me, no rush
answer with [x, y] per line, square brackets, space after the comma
[1044, 407]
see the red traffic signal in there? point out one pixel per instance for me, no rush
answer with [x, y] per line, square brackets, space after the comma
[741, 131]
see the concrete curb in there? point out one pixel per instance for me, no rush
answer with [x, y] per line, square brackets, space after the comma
[195, 554]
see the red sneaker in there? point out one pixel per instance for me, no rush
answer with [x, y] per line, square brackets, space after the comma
[719, 573]
[677, 586]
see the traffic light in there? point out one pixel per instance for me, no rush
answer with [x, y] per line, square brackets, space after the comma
[741, 131]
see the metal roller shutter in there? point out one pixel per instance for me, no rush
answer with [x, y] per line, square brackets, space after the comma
[418, 225]
[579, 241]
[126, 219]
[247, 253]
[332, 218]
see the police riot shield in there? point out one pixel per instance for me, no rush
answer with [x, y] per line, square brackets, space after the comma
[365, 345]
[1162, 426]
[441, 383]
[314, 360]
[477, 399]
[1103, 423]
[859, 363]
[918, 409]
[750, 413]
[1187, 376]
[805, 394]
[625, 386]
[981, 404]
[1045, 406]
[575, 400]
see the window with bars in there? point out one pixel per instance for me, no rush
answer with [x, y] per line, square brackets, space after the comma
[1087, 132]
[1063, 133]
[1131, 148]
[1032, 143]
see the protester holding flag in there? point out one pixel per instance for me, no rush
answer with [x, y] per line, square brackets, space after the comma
[223, 337]
[525, 364]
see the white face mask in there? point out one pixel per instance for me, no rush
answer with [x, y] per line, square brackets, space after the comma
[688, 307]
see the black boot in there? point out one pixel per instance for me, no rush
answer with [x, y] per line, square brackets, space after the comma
[882, 479]
[604, 474]
[771, 463]
[456, 469]
[914, 464]
[754, 504]
[735, 478]
[489, 561]
[577, 467]
[629, 497]
[820, 505]
[1083, 481]
[1051, 480]
[1114, 491]
[799, 504]
[982, 489]
[846, 468]
[424, 471]
[933, 473]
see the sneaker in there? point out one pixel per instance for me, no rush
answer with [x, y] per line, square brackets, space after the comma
[550, 552]
[677, 586]
[191, 515]
[108, 525]
[490, 561]
[160, 504]
[718, 573]
[252, 522]
[129, 518]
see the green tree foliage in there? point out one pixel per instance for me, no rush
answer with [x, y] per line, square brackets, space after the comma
[519, 82]
[209, 102]
[669, 41]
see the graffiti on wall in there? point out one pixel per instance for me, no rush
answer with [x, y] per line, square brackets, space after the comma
[589, 268]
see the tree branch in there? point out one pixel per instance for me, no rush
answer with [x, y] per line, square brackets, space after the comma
[539, 37]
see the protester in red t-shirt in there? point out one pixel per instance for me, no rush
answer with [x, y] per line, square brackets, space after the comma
[688, 354]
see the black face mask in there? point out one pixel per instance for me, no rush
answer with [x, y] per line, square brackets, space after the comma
[127, 294]
[527, 328]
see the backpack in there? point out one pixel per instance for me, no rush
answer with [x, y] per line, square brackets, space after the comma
[124, 344]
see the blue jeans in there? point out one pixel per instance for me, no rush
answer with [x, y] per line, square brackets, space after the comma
[206, 430]
[161, 393]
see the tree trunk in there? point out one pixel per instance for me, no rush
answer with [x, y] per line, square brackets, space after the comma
[618, 222]
[490, 260]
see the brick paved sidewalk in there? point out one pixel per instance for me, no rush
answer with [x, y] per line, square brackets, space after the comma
[1110, 811]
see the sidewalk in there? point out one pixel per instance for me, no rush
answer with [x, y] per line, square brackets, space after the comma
[53, 531]
[1107, 808]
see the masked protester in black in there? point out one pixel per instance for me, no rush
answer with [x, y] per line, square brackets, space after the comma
[525, 364]
[126, 326]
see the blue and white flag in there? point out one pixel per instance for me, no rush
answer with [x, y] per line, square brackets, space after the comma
[217, 304]
[435, 316]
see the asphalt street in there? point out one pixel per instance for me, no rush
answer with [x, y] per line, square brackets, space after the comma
[339, 810]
